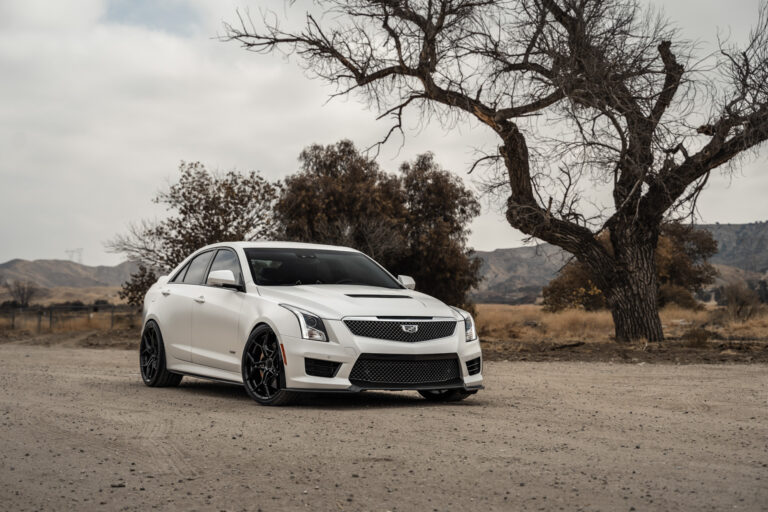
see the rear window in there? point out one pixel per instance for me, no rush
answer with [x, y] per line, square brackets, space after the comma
[295, 267]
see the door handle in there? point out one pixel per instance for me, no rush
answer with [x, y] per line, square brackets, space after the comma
[166, 292]
[200, 299]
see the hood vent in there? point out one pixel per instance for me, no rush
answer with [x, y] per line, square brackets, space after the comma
[373, 296]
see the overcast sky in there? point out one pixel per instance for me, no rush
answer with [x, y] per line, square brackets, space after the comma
[101, 99]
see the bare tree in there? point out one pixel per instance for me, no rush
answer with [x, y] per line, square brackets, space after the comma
[22, 292]
[578, 92]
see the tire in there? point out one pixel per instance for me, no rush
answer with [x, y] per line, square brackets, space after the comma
[152, 359]
[262, 369]
[445, 395]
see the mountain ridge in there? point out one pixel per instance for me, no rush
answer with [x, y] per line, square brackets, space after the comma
[512, 275]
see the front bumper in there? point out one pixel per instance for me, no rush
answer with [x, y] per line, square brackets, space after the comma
[346, 349]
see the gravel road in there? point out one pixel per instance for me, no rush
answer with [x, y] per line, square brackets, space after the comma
[78, 430]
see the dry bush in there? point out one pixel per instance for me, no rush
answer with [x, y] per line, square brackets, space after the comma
[741, 302]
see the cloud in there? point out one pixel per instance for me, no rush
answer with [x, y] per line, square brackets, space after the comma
[101, 100]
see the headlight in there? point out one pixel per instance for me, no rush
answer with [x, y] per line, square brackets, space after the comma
[469, 325]
[312, 326]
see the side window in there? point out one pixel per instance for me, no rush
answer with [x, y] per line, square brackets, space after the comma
[179, 277]
[196, 268]
[227, 260]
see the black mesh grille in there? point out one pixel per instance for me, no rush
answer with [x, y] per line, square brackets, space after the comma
[383, 371]
[320, 368]
[396, 330]
[473, 366]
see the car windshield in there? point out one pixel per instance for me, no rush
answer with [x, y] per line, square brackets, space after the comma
[291, 267]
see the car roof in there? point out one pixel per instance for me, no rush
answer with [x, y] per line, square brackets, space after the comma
[267, 244]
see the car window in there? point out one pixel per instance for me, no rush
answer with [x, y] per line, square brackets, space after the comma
[179, 277]
[227, 260]
[197, 267]
[292, 267]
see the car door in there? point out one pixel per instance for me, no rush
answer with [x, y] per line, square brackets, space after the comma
[177, 300]
[215, 320]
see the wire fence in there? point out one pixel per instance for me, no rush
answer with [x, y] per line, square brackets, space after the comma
[69, 318]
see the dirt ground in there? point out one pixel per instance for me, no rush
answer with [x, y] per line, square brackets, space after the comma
[78, 430]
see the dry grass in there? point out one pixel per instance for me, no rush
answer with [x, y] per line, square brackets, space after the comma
[533, 323]
[69, 321]
[529, 323]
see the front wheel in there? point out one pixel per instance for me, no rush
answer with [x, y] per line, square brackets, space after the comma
[262, 368]
[152, 359]
[445, 395]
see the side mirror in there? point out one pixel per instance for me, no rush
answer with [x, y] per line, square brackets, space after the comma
[223, 278]
[407, 281]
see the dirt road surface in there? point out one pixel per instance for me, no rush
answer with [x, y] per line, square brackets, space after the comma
[79, 431]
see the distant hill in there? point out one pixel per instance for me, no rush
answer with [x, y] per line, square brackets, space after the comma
[58, 273]
[743, 246]
[517, 275]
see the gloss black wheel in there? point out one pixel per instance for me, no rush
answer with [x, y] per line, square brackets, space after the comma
[262, 368]
[152, 359]
[445, 395]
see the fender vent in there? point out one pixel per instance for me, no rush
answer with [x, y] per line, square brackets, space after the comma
[473, 366]
[320, 368]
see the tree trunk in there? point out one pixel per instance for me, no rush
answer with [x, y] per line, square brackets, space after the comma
[632, 291]
[635, 313]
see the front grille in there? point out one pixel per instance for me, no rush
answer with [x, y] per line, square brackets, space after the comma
[473, 366]
[388, 371]
[320, 368]
[395, 330]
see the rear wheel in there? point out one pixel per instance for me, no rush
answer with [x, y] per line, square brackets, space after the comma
[152, 359]
[262, 368]
[445, 395]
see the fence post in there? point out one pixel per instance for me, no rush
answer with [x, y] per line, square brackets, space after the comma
[39, 319]
[112, 319]
[13, 319]
[50, 318]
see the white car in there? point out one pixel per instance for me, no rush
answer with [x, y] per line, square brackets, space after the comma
[282, 318]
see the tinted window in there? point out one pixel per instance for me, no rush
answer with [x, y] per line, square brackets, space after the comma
[179, 277]
[197, 266]
[286, 267]
[227, 260]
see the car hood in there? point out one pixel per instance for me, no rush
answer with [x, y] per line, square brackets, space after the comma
[338, 301]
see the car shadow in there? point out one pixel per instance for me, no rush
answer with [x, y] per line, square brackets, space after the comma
[325, 401]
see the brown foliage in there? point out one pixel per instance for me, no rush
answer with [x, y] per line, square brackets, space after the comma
[206, 207]
[681, 268]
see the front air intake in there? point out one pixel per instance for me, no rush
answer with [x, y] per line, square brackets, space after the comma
[386, 371]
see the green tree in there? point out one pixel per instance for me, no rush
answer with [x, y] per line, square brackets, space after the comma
[439, 210]
[340, 197]
[136, 287]
[414, 223]
[204, 208]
